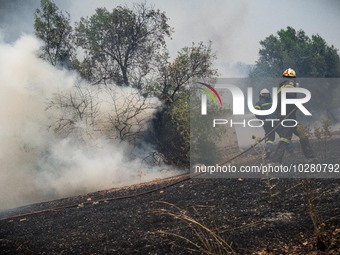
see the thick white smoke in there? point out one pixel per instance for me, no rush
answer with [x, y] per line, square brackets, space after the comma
[36, 162]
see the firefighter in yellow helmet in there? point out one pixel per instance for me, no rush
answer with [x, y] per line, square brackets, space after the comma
[286, 133]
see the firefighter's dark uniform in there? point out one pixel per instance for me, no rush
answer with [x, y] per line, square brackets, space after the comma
[286, 133]
[265, 103]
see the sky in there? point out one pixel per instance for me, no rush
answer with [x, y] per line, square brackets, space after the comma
[234, 27]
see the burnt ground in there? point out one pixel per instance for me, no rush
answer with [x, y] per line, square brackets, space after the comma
[254, 217]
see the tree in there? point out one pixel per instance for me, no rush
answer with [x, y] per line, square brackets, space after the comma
[191, 64]
[126, 47]
[325, 61]
[130, 113]
[53, 27]
[121, 45]
[310, 57]
[120, 114]
[173, 131]
[172, 124]
[78, 110]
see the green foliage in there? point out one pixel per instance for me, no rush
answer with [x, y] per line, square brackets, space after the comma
[310, 57]
[204, 138]
[191, 64]
[185, 135]
[172, 125]
[121, 45]
[53, 27]
[173, 132]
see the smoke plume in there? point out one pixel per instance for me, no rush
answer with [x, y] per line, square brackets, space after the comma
[61, 137]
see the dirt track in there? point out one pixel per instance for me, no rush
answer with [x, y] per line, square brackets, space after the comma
[241, 211]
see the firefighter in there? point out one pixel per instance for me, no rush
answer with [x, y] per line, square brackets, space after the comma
[286, 133]
[265, 103]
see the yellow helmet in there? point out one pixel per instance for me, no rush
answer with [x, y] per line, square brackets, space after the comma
[289, 73]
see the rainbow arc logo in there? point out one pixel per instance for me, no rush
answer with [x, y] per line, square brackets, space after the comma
[212, 93]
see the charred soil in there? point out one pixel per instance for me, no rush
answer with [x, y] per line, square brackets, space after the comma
[243, 212]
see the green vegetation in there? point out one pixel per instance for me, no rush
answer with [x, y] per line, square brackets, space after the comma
[310, 57]
[53, 27]
[121, 45]
[126, 47]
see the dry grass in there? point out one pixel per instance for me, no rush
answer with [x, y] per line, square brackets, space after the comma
[200, 238]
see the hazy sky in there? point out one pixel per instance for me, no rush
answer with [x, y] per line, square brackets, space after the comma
[234, 27]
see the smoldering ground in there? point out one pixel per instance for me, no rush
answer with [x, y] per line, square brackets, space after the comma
[48, 149]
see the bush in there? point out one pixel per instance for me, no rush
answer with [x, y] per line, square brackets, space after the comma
[183, 134]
